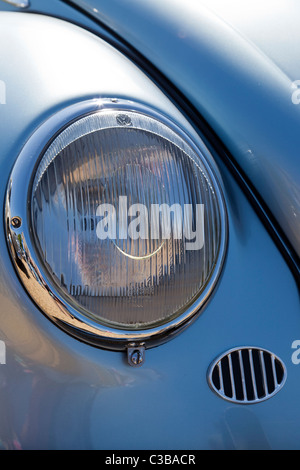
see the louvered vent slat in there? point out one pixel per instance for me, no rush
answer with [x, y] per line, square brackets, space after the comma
[247, 375]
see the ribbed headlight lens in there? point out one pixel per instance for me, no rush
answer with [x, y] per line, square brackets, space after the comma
[128, 220]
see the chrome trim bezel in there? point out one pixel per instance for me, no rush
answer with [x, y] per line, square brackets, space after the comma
[256, 400]
[25, 257]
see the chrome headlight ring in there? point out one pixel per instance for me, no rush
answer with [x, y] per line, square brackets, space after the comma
[55, 302]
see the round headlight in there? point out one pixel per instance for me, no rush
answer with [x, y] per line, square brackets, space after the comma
[124, 226]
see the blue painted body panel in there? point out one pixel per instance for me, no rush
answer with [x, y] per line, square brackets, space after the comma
[59, 393]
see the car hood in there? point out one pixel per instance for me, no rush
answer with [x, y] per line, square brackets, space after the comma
[237, 63]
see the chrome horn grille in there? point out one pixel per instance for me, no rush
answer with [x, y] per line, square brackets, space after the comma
[247, 375]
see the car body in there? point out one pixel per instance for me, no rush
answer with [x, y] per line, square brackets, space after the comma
[224, 72]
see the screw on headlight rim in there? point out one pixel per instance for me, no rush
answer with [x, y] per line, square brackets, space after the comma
[16, 222]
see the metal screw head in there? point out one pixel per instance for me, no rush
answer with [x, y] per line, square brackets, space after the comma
[16, 222]
[136, 355]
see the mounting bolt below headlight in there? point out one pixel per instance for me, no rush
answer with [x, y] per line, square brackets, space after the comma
[135, 355]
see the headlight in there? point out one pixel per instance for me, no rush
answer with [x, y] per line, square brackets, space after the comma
[122, 236]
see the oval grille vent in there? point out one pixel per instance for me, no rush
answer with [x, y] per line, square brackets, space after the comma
[247, 375]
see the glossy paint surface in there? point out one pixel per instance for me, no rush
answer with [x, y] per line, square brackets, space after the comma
[238, 65]
[59, 393]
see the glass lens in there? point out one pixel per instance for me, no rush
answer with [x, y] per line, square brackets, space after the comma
[126, 219]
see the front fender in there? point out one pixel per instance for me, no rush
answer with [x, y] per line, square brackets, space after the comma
[60, 393]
